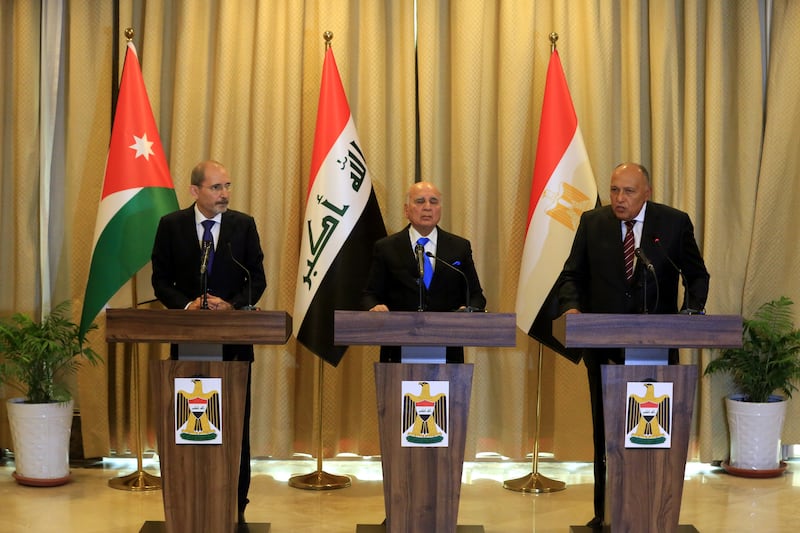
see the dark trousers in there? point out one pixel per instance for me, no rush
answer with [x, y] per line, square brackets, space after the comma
[244, 463]
[594, 359]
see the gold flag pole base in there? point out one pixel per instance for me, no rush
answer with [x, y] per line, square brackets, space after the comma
[319, 480]
[534, 482]
[137, 481]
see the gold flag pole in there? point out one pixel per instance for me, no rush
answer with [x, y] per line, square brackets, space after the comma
[139, 480]
[535, 482]
[319, 480]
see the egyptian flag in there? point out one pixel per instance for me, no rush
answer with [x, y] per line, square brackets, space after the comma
[563, 188]
[341, 223]
[137, 192]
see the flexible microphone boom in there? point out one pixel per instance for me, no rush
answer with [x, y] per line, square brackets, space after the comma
[204, 259]
[419, 250]
[639, 253]
[657, 242]
[468, 308]
[249, 306]
[687, 310]
[204, 273]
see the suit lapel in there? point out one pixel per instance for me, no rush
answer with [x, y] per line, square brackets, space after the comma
[617, 255]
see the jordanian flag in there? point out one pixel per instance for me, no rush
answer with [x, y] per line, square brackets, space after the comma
[341, 223]
[563, 188]
[137, 192]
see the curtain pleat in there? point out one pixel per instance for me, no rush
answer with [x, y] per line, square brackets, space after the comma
[677, 86]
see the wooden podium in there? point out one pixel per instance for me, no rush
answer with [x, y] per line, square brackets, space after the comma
[644, 486]
[422, 485]
[199, 482]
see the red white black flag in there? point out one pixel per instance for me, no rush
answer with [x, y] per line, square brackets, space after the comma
[342, 222]
[563, 188]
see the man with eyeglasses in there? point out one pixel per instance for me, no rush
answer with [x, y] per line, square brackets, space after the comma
[208, 236]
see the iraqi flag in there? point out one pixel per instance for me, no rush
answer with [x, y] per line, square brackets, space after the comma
[137, 192]
[341, 223]
[563, 188]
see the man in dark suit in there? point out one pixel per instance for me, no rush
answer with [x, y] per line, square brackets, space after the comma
[594, 279]
[394, 282]
[177, 280]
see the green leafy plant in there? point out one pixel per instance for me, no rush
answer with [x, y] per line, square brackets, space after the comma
[769, 359]
[35, 357]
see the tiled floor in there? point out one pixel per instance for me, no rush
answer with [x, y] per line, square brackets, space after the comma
[713, 501]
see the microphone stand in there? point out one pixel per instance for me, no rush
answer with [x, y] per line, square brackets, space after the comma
[467, 308]
[204, 274]
[419, 251]
[686, 310]
[648, 266]
[249, 306]
[644, 292]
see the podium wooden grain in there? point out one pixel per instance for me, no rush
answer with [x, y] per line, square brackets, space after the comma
[199, 482]
[422, 486]
[644, 487]
[184, 326]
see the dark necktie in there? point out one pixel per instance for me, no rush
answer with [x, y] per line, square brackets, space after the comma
[208, 238]
[628, 245]
[427, 272]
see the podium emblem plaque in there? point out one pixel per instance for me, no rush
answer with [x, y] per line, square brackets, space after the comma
[425, 413]
[649, 415]
[198, 411]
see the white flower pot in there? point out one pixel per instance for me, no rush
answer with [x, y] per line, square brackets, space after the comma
[755, 430]
[41, 441]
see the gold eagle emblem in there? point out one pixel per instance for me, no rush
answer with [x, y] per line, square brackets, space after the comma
[425, 415]
[197, 414]
[650, 415]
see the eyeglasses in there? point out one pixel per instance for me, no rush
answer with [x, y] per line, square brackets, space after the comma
[217, 188]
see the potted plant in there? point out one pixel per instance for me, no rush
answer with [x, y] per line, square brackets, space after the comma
[35, 358]
[768, 362]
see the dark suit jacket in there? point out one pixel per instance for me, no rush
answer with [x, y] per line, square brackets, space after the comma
[394, 277]
[593, 279]
[176, 263]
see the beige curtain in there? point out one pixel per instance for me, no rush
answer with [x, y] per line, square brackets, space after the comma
[682, 87]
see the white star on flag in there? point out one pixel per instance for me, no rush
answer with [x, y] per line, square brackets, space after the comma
[142, 146]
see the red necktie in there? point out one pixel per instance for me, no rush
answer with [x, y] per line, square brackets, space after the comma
[628, 245]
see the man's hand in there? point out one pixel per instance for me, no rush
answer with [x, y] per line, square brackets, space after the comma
[215, 303]
[380, 307]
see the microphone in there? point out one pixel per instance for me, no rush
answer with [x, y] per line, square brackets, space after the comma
[204, 259]
[687, 310]
[639, 253]
[204, 273]
[419, 250]
[249, 306]
[468, 308]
